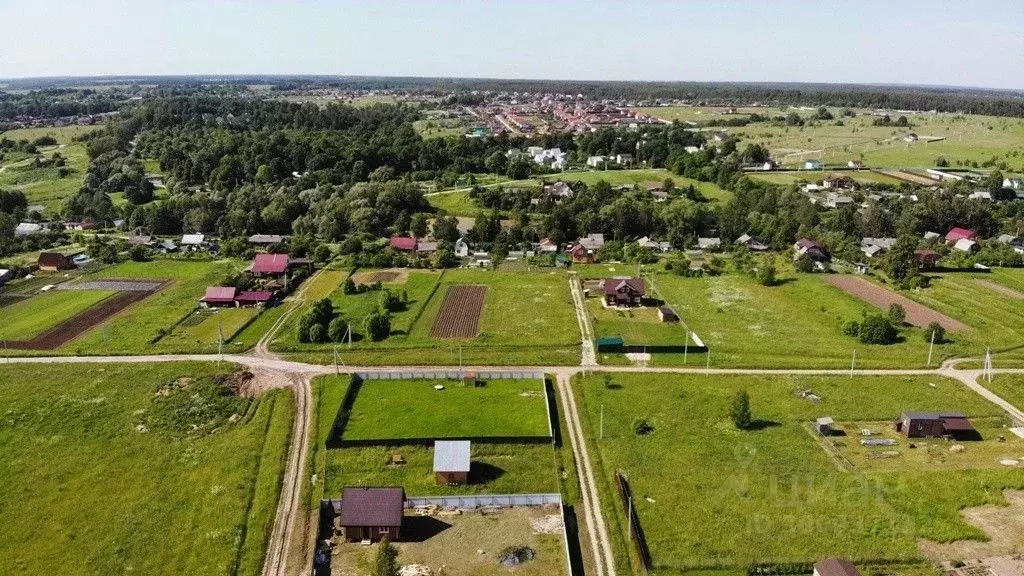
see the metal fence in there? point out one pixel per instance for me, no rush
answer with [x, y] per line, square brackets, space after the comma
[450, 374]
[484, 501]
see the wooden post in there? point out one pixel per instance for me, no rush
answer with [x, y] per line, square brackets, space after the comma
[930, 346]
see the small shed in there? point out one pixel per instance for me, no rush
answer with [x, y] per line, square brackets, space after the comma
[372, 513]
[935, 425]
[451, 462]
[824, 425]
[54, 261]
[666, 314]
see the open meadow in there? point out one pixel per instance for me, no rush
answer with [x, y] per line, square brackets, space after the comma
[712, 497]
[389, 409]
[47, 185]
[128, 468]
[526, 318]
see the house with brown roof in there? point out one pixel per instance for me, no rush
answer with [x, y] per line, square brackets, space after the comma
[624, 291]
[934, 425]
[372, 513]
[55, 261]
[835, 567]
[926, 258]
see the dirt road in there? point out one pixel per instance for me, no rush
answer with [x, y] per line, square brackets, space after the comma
[589, 357]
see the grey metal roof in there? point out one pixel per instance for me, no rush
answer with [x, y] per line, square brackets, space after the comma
[933, 415]
[451, 456]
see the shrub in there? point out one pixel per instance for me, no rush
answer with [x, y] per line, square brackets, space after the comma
[305, 323]
[766, 275]
[390, 302]
[349, 287]
[851, 328]
[188, 407]
[897, 314]
[378, 326]
[803, 263]
[739, 411]
[337, 329]
[317, 333]
[386, 563]
[139, 253]
[641, 427]
[938, 330]
[877, 329]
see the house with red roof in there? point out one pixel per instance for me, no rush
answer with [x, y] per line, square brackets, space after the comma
[217, 296]
[269, 265]
[404, 243]
[960, 234]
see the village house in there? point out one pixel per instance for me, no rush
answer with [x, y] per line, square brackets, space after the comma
[228, 296]
[596, 161]
[926, 258]
[269, 266]
[451, 462]
[28, 229]
[265, 239]
[426, 247]
[752, 244]
[404, 243]
[709, 244]
[812, 249]
[55, 262]
[835, 567]
[580, 254]
[623, 159]
[873, 247]
[461, 248]
[624, 291]
[193, 241]
[834, 200]
[558, 191]
[372, 513]
[812, 165]
[934, 425]
[837, 182]
[139, 238]
[5, 276]
[965, 245]
[547, 246]
[855, 164]
[662, 246]
[666, 314]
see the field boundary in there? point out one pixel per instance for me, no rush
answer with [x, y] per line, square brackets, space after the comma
[426, 301]
[637, 532]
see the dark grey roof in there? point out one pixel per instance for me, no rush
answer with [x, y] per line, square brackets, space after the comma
[451, 455]
[933, 415]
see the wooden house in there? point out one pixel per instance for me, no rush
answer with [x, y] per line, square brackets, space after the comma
[55, 261]
[934, 425]
[624, 291]
[372, 513]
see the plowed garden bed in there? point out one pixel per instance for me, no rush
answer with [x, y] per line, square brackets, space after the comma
[460, 312]
[882, 298]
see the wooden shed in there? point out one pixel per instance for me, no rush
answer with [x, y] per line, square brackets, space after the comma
[935, 425]
[451, 462]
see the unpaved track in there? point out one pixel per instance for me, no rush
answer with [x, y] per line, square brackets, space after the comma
[589, 355]
[1004, 290]
[604, 560]
[917, 314]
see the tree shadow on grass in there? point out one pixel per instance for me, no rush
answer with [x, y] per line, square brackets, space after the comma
[422, 528]
[482, 472]
[762, 425]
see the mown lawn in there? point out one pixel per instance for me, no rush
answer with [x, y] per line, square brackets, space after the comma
[638, 326]
[527, 318]
[1009, 387]
[387, 409]
[204, 328]
[130, 331]
[27, 318]
[87, 492]
[712, 497]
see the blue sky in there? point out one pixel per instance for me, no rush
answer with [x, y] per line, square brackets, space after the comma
[968, 43]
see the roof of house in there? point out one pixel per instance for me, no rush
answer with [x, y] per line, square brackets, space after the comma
[667, 312]
[825, 421]
[427, 247]
[560, 189]
[614, 285]
[265, 239]
[403, 242]
[220, 294]
[925, 415]
[28, 227]
[269, 264]
[55, 259]
[192, 239]
[885, 243]
[836, 567]
[807, 244]
[964, 244]
[959, 233]
[451, 455]
[592, 241]
[709, 242]
[363, 506]
[254, 296]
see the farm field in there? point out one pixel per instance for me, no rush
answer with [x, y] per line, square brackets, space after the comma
[205, 326]
[796, 324]
[527, 318]
[773, 493]
[45, 185]
[207, 498]
[37, 314]
[386, 409]
[131, 330]
[963, 138]
[703, 114]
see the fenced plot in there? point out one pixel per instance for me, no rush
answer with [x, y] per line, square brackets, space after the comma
[460, 312]
[882, 298]
[115, 285]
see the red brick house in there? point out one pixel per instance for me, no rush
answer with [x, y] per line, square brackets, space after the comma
[624, 291]
[372, 513]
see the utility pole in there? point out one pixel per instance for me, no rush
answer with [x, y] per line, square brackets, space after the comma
[336, 361]
[853, 362]
[988, 365]
[602, 421]
[686, 346]
[930, 346]
[220, 339]
[629, 518]
[708, 368]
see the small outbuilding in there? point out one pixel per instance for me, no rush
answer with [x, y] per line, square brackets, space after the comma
[372, 513]
[666, 314]
[218, 296]
[451, 462]
[835, 567]
[935, 425]
[824, 425]
[55, 261]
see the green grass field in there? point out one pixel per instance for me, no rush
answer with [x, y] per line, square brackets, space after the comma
[1009, 387]
[112, 498]
[44, 185]
[711, 497]
[27, 318]
[388, 409]
[863, 177]
[459, 203]
[798, 324]
[537, 329]
[205, 326]
[130, 331]
[638, 326]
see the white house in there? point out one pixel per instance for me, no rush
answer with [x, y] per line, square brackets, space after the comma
[812, 165]
[461, 248]
[553, 158]
[965, 245]
[596, 161]
[547, 246]
[193, 241]
[1014, 183]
